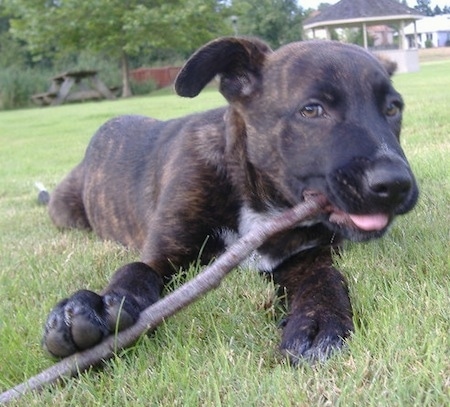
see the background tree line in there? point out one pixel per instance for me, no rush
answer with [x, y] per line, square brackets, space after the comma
[424, 6]
[41, 38]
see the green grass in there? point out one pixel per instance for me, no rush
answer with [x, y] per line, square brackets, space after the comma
[222, 350]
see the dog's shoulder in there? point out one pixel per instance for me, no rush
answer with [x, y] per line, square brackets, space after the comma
[201, 136]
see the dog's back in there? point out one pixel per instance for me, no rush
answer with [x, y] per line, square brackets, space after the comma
[135, 165]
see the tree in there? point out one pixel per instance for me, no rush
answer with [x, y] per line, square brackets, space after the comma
[119, 28]
[12, 51]
[276, 21]
[424, 7]
[437, 11]
[323, 6]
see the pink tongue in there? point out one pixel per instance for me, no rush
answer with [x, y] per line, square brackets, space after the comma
[370, 222]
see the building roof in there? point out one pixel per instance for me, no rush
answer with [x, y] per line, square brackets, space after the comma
[352, 12]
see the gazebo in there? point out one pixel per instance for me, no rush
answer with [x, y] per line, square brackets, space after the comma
[365, 13]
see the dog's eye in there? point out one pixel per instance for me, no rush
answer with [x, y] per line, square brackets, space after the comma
[312, 111]
[392, 109]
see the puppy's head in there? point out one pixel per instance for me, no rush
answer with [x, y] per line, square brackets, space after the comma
[316, 115]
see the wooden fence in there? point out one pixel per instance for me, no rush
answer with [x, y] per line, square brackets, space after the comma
[162, 77]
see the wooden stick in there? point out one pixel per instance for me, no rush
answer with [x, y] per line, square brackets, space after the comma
[152, 316]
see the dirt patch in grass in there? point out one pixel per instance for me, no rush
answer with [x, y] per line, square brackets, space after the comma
[434, 54]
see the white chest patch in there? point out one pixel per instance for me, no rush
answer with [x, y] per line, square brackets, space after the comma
[248, 219]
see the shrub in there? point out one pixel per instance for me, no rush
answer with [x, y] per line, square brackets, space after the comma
[143, 88]
[17, 86]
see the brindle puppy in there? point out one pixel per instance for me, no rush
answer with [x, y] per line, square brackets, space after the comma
[312, 116]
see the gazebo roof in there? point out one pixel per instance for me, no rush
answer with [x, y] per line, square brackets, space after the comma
[353, 12]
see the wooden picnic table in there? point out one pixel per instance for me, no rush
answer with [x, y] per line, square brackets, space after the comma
[60, 90]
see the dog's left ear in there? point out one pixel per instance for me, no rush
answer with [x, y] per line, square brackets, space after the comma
[238, 61]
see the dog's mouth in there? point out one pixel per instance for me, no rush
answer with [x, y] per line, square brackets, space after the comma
[373, 223]
[366, 223]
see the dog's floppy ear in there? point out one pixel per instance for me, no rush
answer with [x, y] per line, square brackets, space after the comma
[238, 61]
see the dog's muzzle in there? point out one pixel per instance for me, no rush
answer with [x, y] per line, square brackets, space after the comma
[365, 196]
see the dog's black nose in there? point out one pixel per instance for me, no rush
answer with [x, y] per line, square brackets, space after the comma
[389, 184]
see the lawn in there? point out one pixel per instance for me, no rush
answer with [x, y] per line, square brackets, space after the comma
[222, 350]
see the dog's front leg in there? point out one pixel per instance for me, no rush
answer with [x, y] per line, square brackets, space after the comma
[319, 310]
[84, 319]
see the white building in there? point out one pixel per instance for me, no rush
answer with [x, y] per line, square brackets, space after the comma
[433, 31]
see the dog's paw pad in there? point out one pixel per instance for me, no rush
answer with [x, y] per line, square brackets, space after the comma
[299, 351]
[75, 324]
[57, 340]
[313, 341]
[120, 312]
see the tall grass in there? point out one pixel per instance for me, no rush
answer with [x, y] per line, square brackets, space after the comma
[222, 350]
[17, 85]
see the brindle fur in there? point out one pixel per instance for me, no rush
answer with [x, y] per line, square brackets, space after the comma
[318, 116]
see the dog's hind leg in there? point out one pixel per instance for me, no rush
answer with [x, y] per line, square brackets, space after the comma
[66, 206]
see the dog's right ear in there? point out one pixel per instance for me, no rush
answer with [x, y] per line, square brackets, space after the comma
[388, 64]
[238, 61]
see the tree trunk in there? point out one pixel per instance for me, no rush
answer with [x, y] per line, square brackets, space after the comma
[126, 87]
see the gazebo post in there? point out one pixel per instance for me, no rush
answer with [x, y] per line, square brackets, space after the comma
[416, 44]
[364, 28]
[402, 35]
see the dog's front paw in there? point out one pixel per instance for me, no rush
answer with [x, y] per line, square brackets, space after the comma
[313, 337]
[83, 320]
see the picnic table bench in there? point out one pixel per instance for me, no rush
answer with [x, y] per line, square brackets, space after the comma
[62, 85]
